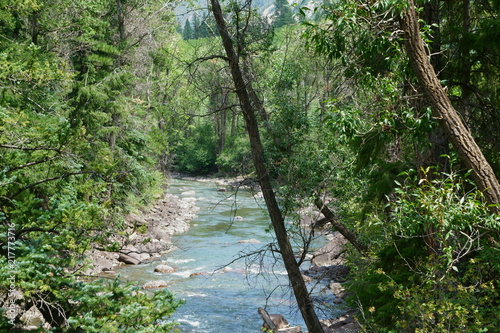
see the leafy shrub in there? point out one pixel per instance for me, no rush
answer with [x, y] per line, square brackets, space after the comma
[438, 269]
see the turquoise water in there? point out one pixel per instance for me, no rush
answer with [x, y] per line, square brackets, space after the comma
[224, 293]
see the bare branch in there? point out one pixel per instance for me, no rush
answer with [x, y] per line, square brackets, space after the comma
[215, 56]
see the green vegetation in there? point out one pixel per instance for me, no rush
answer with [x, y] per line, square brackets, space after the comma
[99, 100]
[75, 156]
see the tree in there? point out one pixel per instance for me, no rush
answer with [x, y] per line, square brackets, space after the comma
[74, 156]
[300, 290]
[196, 27]
[187, 32]
[282, 14]
[445, 113]
[418, 230]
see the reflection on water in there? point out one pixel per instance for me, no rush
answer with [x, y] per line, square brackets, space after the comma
[222, 294]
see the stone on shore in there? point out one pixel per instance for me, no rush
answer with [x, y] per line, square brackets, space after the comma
[126, 259]
[331, 253]
[148, 234]
[346, 323]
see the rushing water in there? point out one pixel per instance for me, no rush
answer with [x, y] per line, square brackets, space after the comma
[227, 293]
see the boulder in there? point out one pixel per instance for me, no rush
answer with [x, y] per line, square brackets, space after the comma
[135, 219]
[278, 320]
[103, 261]
[128, 259]
[32, 319]
[337, 289]
[155, 284]
[156, 246]
[346, 323]
[335, 272]
[330, 254]
[140, 256]
[162, 268]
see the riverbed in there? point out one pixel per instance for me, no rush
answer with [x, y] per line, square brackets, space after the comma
[224, 268]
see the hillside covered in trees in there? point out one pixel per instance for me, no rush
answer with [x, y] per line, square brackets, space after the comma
[384, 115]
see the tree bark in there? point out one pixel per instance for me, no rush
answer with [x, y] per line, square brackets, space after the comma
[330, 217]
[448, 117]
[295, 277]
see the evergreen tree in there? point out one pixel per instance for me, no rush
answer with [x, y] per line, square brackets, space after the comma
[203, 28]
[187, 32]
[196, 27]
[74, 160]
[283, 14]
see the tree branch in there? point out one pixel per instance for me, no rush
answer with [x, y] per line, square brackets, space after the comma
[30, 148]
[47, 180]
[215, 56]
[445, 113]
[18, 233]
[32, 163]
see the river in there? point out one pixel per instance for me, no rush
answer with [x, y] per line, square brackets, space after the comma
[227, 293]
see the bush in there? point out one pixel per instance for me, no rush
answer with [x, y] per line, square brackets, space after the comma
[438, 270]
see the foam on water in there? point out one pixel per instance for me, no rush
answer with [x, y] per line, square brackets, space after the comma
[189, 322]
[179, 261]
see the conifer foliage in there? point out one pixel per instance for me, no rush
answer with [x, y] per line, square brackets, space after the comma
[74, 134]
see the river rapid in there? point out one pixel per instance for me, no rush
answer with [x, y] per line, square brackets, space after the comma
[223, 293]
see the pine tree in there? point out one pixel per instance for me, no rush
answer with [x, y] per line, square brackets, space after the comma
[187, 32]
[203, 29]
[283, 14]
[196, 27]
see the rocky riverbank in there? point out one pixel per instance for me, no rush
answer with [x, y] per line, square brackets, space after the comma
[147, 235]
[328, 264]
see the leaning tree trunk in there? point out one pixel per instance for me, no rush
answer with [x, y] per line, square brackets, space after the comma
[330, 217]
[448, 117]
[299, 288]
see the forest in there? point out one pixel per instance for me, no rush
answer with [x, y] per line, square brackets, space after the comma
[383, 114]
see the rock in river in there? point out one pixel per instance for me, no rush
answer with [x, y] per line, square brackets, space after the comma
[162, 268]
[155, 284]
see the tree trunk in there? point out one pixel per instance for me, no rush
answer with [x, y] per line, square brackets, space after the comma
[121, 19]
[299, 288]
[448, 117]
[330, 217]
